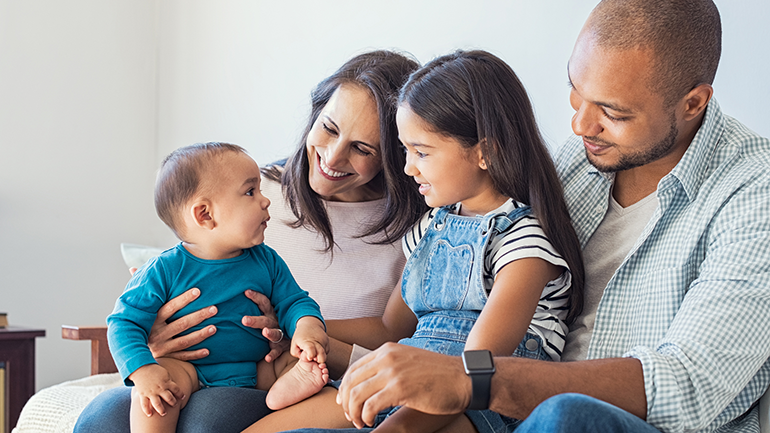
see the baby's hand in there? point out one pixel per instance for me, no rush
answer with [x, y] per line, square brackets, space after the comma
[153, 386]
[310, 340]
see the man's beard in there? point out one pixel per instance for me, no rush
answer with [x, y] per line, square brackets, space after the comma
[654, 153]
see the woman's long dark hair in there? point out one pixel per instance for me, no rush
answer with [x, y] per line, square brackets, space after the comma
[382, 73]
[477, 99]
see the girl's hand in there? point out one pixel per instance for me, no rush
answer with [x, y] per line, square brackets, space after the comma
[155, 389]
[268, 322]
[161, 340]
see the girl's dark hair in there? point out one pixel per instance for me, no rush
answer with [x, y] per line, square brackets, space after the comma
[382, 73]
[477, 99]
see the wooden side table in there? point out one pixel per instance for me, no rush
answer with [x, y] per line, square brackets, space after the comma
[17, 351]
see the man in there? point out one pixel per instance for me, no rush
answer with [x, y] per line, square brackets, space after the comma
[671, 201]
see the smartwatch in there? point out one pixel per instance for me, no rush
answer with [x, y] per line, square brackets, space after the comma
[480, 367]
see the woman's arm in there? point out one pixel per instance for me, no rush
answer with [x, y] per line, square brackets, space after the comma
[397, 322]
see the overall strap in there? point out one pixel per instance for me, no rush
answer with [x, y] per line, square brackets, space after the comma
[501, 223]
[442, 213]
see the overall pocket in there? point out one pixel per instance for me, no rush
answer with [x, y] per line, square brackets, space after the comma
[447, 276]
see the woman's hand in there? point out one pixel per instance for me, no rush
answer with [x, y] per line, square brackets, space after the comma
[396, 375]
[161, 340]
[268, 322]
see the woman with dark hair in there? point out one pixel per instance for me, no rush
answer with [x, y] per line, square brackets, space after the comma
[342, 197]
[342, 202]
[494, 268]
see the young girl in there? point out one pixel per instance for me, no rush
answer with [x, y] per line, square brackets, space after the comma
[496, 264]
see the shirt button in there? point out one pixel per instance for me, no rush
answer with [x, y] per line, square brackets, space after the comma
[232, 383]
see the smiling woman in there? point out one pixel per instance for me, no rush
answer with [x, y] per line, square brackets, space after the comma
[340, 205]
[343, 147]
[350, 151]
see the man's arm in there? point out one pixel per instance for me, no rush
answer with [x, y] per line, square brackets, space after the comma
[437, 384]
[520, 384]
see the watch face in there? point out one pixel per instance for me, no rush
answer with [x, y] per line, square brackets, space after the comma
[478, 360]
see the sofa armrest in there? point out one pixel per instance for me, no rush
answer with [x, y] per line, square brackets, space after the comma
[101, 359]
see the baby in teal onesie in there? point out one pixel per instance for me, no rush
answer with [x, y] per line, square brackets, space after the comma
[209, 195]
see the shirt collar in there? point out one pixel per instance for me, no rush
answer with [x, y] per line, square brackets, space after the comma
[692, 169]
[506, 207]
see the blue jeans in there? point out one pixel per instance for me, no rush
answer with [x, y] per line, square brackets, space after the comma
[218, 409]
[564, 413]
[580, 413]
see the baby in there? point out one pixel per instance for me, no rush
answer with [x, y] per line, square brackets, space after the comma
[209, 195]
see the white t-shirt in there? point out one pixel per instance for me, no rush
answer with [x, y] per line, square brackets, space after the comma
[602, 255]
[522, 240]
[358, 279]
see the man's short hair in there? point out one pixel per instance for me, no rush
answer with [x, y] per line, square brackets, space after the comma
[685, 37]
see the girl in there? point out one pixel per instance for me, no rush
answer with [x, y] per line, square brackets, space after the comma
[496, 264]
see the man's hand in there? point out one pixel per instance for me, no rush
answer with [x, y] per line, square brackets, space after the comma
[161, 340]
[268, 322]
[396, 375]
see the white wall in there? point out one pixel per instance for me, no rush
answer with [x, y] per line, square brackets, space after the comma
[77, 155]
[93, 93]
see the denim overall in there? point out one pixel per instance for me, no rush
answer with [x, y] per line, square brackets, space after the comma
[443, 283]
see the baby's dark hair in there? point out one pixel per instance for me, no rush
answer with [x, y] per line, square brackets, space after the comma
[180, 178]
[475, 98]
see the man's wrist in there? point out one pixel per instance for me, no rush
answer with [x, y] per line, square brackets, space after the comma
[467, 388]
[479, 366]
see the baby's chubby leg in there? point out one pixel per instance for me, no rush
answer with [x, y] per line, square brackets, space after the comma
[152, 411]
[289, 380]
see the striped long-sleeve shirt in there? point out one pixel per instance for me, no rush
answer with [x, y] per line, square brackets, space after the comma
[521, 240]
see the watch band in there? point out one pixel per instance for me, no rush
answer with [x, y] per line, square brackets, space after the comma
[480, 368]
[481, 387]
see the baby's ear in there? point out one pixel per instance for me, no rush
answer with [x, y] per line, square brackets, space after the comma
[202, 214]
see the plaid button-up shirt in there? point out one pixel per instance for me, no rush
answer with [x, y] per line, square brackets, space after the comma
[691, 300]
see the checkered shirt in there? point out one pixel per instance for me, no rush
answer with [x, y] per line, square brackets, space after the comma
[691, 300]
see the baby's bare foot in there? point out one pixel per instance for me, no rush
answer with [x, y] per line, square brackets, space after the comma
[303, 380]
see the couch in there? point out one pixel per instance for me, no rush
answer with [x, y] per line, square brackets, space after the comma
[56, 409]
